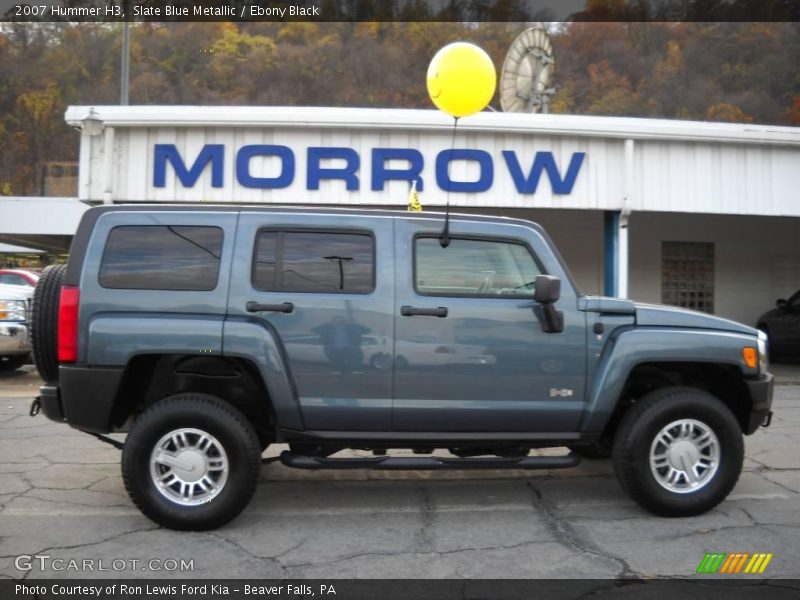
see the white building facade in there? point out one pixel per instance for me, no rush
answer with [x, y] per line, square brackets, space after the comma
[702, 215]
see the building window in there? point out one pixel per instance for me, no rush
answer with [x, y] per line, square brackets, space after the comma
[314, 261]
[687, 275]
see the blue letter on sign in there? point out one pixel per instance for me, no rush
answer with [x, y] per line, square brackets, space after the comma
[484, 160]
[380, 174]
[243, 166]
[346, 173]
[212, 153]
[544, 161]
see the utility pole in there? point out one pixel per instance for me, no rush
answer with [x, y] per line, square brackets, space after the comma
[341, 260]
[124, 70]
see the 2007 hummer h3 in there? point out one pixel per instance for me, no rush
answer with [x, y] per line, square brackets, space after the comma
[208, 333]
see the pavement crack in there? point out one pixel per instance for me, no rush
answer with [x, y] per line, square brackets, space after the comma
[427, 515]
[92, 543]
[348, 557]
[764, 476]
[747, 513]
[485, 548]
[564, 531]
[13, 497]
[253, 555]
[764, 467]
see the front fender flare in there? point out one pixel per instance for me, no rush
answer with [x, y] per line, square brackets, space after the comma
[635, 346]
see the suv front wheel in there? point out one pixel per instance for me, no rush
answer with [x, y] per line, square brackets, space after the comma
[191, 462]
[678, 451]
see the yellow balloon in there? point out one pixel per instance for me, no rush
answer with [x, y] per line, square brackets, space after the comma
[461, 79]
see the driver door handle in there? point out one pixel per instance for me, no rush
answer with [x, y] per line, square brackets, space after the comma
[285, 307]
[410, 311]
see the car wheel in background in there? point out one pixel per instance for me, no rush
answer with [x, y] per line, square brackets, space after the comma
[11, 363]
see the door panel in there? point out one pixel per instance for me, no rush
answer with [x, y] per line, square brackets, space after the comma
[487, 365]
[318, 288]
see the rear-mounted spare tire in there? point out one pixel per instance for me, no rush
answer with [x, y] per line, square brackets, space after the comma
[44, 322]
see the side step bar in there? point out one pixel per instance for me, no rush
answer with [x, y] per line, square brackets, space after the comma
[428, 463]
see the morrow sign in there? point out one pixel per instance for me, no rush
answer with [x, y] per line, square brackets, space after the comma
[344, 164]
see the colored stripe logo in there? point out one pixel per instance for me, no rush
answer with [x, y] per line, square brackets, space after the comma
[734, 563]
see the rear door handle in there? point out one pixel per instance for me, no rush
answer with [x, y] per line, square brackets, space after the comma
[410, 311]
[285, 307]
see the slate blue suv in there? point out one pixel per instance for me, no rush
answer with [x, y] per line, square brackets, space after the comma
[208, 333]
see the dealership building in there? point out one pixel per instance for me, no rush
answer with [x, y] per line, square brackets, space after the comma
[695, 214]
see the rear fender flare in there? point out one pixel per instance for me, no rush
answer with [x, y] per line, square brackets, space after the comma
[258, 342]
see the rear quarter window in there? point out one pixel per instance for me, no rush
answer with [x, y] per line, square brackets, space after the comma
[162, 257]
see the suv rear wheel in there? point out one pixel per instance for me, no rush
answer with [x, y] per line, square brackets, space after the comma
[191, 462]
[44, 322]
[678, 452]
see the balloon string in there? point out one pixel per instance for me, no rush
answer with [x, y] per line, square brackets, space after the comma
[445, 239]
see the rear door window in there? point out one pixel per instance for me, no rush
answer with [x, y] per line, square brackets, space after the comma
[162, 257]
[314, 261]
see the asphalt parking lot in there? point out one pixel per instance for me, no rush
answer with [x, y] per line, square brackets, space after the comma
[61, 495]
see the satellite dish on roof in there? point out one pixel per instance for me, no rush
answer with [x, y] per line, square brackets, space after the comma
[527, 76]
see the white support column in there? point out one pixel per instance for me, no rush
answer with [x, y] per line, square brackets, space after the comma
[622, 252]
[108, 164]
[622, 269]
[83, 166]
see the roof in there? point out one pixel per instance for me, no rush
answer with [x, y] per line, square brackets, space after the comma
[407, 119]
[78, 249]
[95, 212]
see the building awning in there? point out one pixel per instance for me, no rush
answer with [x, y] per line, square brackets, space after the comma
[11, 249]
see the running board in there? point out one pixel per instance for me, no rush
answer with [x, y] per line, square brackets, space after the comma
[428, 463]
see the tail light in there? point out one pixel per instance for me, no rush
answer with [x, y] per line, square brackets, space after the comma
[68, 324]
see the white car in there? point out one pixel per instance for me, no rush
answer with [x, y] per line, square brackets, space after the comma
[15, 342]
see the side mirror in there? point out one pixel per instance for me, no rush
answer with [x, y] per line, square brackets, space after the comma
[781, 303]
[548, 289]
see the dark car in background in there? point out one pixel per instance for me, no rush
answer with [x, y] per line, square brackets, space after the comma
[782, 326]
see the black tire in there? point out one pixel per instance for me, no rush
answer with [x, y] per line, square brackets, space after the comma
[601, 449]
[639, 428]
[44, 322]
[210, 415]
[12, 363]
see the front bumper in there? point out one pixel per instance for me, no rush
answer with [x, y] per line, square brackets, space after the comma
[761, 397]
[14, 339]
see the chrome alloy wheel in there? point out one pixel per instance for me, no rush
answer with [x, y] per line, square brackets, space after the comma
[684, 456]
[189, 466]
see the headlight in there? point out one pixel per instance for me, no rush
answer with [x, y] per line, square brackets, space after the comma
[12, 310]
[763, 353]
